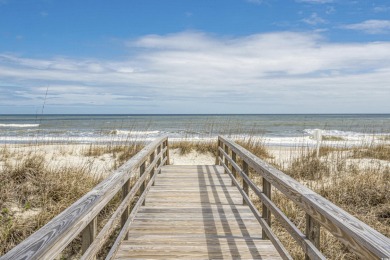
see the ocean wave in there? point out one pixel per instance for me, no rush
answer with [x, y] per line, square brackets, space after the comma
[18, 125]
[338, 133]
[132, 132]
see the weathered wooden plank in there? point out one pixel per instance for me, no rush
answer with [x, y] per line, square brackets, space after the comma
[245, 187]
[166, 145]
[52, 238]
[191, 218]
[88, 235]
[195, 249]
[106, 231]
[124, 232]
[235, 208]
[233, 170]
[356, 235]
[199, 217]
[308, 247]
[190, 240]
[275, 241]
[213, 230]
[266, 212]
[312, 233]
[196, 224]
[126, 212]
[210, 169]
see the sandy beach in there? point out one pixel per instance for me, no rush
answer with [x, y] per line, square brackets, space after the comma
[335, 171]
[76, 156]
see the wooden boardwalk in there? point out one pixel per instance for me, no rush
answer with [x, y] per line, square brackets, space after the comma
[193, 212]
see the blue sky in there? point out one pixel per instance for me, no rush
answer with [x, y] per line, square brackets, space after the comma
[232, 56]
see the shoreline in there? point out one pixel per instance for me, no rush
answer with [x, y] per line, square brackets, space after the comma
[302, 141]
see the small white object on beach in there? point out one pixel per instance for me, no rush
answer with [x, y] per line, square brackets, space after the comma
[317, 135]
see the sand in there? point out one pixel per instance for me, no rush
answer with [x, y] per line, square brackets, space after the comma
[59, 156]
[192, 158]
[74, 156]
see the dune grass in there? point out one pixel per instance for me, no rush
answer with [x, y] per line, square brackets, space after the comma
[339, 174]
[332, 138]
[33, 191]
[344, 177]
[356, 179]
[203, 147]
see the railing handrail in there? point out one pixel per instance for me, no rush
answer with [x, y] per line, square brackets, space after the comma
[355, 234]
[53, 237]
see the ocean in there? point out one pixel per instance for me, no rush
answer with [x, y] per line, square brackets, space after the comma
[285, 130]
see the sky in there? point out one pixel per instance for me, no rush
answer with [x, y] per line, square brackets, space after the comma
[194, 56]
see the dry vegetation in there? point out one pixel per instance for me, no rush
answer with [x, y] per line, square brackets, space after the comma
[33, 190]
[203, 147]
[356, 179]
[121, 153]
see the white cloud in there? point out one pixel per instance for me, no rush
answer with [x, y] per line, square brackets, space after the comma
[314, 19]
[315, 1]
[381, 9]
[255, 1]
[330, 10]
[258, 73]
[371, 26]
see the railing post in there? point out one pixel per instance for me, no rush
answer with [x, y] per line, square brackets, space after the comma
[265, 210]
[142, 188]
[313, 229]
[159, 156]
[219, 154]
[125, 214]
[245, 186]
[151, 159]
[234, 172]
[88, 235]
[167, 151]
[226, 159]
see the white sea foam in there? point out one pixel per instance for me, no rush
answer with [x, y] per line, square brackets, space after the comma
[68, 140]
[135, 133]
[304, 141]
[19, 125]
[345, 135]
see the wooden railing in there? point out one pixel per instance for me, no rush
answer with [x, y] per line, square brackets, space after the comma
[363, 240]
[81, 217]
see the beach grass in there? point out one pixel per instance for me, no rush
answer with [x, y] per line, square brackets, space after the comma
[332, 138]
[34, 190]
[357, 179]
[187, 146]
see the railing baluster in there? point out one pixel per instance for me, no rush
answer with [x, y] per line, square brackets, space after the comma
[151, 159]
[219, 153]
[232, 168]
[160, 156]
[81, 217]
[142, 188]
[313, 230]
[125, 215]
[88, 235]
[226, 159]
[245, 186]
[266, 213]
[167, 151]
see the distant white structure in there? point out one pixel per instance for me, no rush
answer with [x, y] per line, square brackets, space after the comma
[317, 135]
